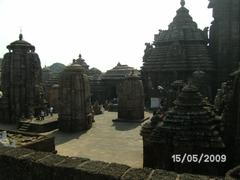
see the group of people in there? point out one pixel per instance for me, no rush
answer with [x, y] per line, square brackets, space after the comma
[46, 113]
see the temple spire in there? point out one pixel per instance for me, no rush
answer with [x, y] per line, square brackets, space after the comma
[182, 3]
[20, 35]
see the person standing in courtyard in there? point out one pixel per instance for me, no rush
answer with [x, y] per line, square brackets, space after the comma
[42, 114]
[51, 111]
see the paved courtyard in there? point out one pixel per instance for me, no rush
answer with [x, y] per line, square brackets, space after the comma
[105, 141]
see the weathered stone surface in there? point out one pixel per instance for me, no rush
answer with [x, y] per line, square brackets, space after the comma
[74, 100]
[92, 169]
[231, 118]
[21, 82]
[192, 177]
[225, 37]
[135, 173]
[82, 62]
[47, 166]
[131, 99]
[96, 85]
[188, 128]
[163, 175]
[114, 171]
[113, 77]
[176, 53]
[233, 173]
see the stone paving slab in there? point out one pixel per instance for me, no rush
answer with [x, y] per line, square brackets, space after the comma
[108, 141]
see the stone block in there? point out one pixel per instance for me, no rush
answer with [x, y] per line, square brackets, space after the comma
[92, 170]
[114, 171]
[66, 170]
[163, 175]
[137, 174]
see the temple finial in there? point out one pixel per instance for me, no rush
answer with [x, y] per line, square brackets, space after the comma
[182, 3]
[20, 35]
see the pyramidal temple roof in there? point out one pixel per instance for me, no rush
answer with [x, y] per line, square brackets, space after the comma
[120, 71]
[183, 47]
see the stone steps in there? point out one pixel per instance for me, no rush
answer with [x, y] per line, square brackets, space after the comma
[24, 127]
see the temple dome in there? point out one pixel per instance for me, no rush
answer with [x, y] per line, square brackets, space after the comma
[74, 67]
[20, 44]
[119, 72]
[183, 47]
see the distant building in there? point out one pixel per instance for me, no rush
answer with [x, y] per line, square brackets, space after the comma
[113, 77]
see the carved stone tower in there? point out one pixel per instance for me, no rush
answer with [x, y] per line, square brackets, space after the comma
[225, 36]
[21, 80]
[131, 99]
[74, 100]
[176, 53]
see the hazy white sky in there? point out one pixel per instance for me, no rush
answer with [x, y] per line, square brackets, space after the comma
[105, 32]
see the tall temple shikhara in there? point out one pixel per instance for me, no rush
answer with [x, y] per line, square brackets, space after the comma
[177, 52]
[21, 82]
[225, 36]
[74, 99]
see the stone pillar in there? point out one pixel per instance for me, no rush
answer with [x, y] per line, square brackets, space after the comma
[74, 100]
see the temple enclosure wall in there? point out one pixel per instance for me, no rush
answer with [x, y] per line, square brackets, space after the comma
[19, 163]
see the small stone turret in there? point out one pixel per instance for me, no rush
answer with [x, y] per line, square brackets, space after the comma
[74, 100]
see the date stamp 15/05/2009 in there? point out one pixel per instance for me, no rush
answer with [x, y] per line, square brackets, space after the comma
[199, 158]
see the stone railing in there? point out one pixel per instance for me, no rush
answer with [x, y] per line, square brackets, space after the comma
[19, 163]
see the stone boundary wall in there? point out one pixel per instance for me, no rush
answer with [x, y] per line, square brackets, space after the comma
[27, 164]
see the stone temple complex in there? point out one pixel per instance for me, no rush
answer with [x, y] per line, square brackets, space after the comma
[74, 100]
[21, 82]
[187, 137]
[176, 53]
[131, 99]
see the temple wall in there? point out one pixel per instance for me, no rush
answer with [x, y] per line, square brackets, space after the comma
[225, 37]
[18, 163]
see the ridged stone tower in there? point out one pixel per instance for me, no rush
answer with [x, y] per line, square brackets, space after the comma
[21, 81]
[74, 100]
[225, 37]
[131, 99]
[176, 53]
[188, 128]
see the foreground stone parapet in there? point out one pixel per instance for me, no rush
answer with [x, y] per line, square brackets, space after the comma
[19, 163]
